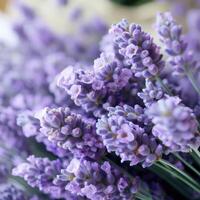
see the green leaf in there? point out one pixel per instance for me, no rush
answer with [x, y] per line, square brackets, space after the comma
[187, 164]
[195, 155]
[181, 175]
[169, 177]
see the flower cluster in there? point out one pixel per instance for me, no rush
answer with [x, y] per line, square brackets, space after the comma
[138, 49]
[98, 181]
[123, 136]
[175, 124]
[171, 36]
[96, 111]
[40, 172]
[10, 192]
[71, 131]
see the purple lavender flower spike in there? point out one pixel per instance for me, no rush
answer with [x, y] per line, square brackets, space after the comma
[10, 192]
[138, 49]
[40, 173]
[71, 132]
[121, 134]
[174, 124]
[93, 90]
[78, 84]
[181, 59]
[83, 89]
[98, 181]
[9, 129]
[151, 93]
[31, 127]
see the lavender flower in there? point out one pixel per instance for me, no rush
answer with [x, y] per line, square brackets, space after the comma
[138, 49]
[9, 129]
[174, 124]
[122, 135]
[110, 83]
[71, 132]
[40, 173]
[31, 127]
[10, 192]
[193, 25]
[78, 84]
[98, 181]
[151, 93]
[171, 36]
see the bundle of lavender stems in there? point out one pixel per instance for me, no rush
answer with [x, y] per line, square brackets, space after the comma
[105, 113]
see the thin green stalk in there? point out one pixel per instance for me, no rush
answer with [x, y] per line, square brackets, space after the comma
[187, 164]
[181, 175]
[142, 197]
[178, 185]
[195, 155]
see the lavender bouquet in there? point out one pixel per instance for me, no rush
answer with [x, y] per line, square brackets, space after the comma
[106, 114]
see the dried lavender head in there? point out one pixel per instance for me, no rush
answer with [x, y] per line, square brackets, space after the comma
[71, 131]
[174, 124]
[138, 49]
[98, 181]
[121, 134]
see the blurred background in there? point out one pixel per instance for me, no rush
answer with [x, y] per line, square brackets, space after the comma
[111, 11]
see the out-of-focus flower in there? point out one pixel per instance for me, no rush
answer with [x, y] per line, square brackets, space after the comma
[171, 36]
[174, 124]
[10, 192]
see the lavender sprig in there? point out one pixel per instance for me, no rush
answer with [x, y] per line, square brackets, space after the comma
[98, 181]
[174, 124]
[181, 59]
[121, 134]
[138, 49]
[71, 132]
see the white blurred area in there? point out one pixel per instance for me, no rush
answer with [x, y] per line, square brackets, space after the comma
[6, 33]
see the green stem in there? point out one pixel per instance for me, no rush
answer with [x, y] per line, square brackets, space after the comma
[142, 197]
[187, 164]
[195, 155]
[181, 175]
[165, 174]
